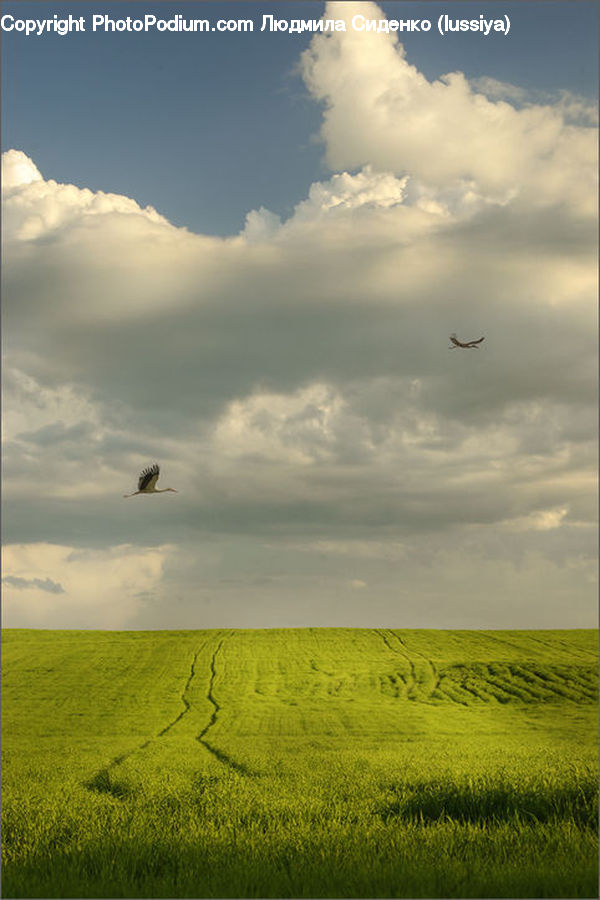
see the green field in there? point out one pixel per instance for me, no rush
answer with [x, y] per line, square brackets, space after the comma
[317, 762]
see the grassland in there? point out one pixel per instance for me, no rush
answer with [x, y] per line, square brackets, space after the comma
[300, 763]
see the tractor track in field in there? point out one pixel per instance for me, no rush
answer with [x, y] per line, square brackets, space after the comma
[383, 637]
[415, 687]
[504, 641]
[201, 738]
[102, 782]
[184, 697]
[409, 680]
[561, 645]
[512, 682]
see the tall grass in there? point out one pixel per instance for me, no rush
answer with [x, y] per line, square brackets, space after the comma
[282, 837]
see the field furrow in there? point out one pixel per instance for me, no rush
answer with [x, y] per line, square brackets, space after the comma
[184, 697]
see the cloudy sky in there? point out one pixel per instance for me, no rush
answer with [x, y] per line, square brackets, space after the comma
[245, 264]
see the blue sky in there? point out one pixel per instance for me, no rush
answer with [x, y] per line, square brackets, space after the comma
[207, 128]
[241, 256]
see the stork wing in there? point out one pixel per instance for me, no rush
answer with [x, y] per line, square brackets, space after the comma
[479, 341]
[148, 478]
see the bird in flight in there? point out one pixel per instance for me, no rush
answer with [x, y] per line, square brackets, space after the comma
[147, 482]
[471, 345]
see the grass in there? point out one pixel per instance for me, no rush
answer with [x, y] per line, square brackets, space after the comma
[300, 763]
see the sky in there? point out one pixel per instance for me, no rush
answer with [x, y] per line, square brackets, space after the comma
[241, 256]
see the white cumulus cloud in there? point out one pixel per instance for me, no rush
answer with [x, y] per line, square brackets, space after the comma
[380, 109]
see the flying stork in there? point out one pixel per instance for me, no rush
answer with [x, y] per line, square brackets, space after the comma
[147, 482]
[469, 345]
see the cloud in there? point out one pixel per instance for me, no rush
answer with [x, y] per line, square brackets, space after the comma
[501, 90]
[51, 208]
[467, 581]
[379, 109]
[261, 224]
[18, 169]
[53, 586]
[45, 584]
[314, 423]
[367, 189]
[576, 110]
[295, 382]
